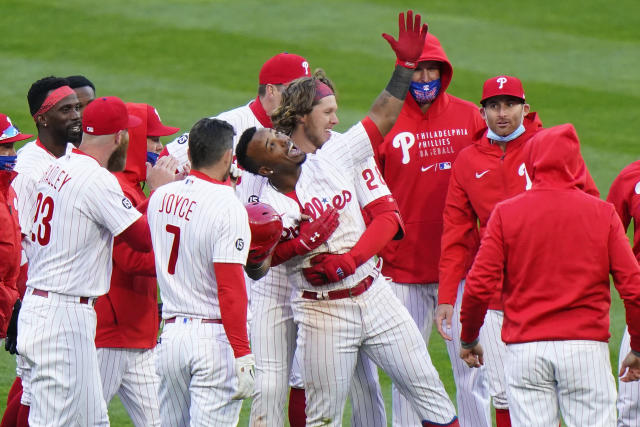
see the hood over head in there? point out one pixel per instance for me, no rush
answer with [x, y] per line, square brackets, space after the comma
[136, 169]
[433, 51]
[553, 159]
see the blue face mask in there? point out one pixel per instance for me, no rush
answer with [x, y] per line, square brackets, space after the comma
[152, 157]
[425, 93]
[513, 135]
[7, 163]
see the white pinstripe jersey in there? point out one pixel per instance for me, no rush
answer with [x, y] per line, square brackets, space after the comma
[194, 223]
[328, 178]
[342, 173]
[241, 118]
[79, 208]
[33, 161]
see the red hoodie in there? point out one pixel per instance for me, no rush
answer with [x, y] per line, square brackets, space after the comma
[625, 196]
[10, 249]
[556, 246]
[482, 176]
[128, 314]
[415, 159]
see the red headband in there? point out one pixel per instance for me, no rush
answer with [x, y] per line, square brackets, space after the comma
[53, 98]
[322, 90]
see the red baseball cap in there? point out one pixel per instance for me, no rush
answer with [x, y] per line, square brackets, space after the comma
[502, 85]
[10, 133]
[284, 68]
[107, 115]
[155, 126]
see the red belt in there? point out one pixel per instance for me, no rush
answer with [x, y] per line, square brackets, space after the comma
[358, 289]
[173, 320]
[45, 294]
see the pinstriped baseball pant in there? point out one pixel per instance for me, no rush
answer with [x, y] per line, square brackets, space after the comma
[332, 332]
[57, 338]
[548, 378]
[628, 393]
[131, 373]
[195, 363]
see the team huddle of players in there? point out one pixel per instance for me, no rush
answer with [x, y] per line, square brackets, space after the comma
[293, 261]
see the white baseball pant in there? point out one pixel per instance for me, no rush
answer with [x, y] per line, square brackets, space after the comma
[23, 370]
[548, 378]
[273, 340]
[495, 352]
[472, 388]
[332, 332]
[628, 393]
[367, 404]
[131, 373]
[195, 363]
[57, 336]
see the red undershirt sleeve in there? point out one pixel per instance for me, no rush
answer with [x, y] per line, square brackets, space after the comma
[380, 232]
[137, 235]
[232, 297]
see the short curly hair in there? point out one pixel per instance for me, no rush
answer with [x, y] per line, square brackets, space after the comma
[298, 99]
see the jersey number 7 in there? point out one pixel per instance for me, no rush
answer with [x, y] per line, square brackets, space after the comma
[173, 256]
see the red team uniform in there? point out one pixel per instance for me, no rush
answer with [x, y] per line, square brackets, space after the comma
[625, 196]
[415, 160]
[554, 282]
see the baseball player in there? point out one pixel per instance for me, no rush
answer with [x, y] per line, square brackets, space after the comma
[84, 89]
[343, 305]
[201, 239]
[276, 73]
[127, 316]
[11, 291]
[416, 158]
[624, 195]
[55, 110]
[485, 173]
[79, 208]
[273, 345]
[553, 277]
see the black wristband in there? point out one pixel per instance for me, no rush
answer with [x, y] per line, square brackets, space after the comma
[635, 353]
[468, 345]
[400, 82]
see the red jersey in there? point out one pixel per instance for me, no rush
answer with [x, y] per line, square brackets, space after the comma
[415, 159]
[555, 245]
[10, 249]
[625, 196]
[128, 314]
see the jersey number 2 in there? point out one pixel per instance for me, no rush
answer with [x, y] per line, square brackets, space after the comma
[44, 211]
[173, 257]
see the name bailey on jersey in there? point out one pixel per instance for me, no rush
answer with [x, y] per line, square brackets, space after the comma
[55, 176]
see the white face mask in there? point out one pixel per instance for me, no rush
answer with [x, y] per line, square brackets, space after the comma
[513, 135]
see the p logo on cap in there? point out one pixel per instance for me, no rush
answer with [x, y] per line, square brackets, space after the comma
[502, 85]
[284, 68]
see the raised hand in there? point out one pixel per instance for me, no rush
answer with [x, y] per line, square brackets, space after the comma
[411, 38]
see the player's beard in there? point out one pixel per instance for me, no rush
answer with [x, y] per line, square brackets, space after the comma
[118, 158]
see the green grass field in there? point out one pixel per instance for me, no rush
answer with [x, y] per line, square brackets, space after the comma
[578, 60]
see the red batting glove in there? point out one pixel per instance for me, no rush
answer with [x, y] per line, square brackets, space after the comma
[315, 233]
[411, 37]
[328, 268]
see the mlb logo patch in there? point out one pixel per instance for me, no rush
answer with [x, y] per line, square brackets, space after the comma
[444, 165]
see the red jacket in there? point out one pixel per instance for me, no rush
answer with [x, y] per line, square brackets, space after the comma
[555, 245]
[128, 314]
[418, 174]
[625, 196]
[482, 176]
[10, 250]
